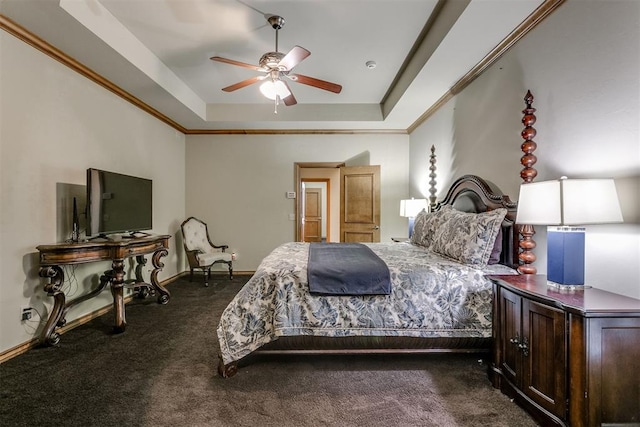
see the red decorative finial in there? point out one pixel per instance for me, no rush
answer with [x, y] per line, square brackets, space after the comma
[529, 145]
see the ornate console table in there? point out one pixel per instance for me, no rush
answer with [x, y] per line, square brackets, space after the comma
[52, 257]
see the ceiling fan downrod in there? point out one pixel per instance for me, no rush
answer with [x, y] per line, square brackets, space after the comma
[276, 23]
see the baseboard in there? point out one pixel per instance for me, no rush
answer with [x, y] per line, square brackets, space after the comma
[26, 346]
[18, 350]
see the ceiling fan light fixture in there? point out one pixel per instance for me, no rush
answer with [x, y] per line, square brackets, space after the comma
[272, 88]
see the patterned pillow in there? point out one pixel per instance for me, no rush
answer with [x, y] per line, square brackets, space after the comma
[426, 224]
[468, 237]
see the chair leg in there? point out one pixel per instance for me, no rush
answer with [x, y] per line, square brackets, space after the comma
[191, 276]
[207, 274]
[230, 263]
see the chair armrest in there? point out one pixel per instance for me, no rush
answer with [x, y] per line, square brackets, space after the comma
[223, 247]
[192, 257]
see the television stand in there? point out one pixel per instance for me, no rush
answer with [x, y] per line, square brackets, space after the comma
[52, 257]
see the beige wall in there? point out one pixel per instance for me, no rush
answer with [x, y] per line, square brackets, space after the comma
[54, 124]
[582, 65]
[238, 184]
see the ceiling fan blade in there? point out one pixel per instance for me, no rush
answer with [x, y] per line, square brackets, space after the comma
[294, 57]
[234, 62]
[243, 83]
[289, 100]
[320, 84]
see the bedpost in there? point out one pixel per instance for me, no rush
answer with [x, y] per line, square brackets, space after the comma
[527, 244]
[432, 178]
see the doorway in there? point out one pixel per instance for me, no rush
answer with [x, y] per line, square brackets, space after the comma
[316, 205]
[314, 173]
[353, 200]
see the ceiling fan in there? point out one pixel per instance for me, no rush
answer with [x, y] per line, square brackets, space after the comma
[277, 68]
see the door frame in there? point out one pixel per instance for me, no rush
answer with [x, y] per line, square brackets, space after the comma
[297, 166]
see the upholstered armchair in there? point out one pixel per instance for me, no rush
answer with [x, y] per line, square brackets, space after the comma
[201, 253]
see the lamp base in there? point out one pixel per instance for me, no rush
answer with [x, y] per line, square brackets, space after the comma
[565, 255]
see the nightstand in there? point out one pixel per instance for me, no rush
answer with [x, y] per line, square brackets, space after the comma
[567, 357]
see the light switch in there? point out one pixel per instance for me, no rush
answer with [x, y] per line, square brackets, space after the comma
[292, 217]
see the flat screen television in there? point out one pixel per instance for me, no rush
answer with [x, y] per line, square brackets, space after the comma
[117, 203]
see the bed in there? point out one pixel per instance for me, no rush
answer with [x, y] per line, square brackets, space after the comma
[439, 301]
[436, 303]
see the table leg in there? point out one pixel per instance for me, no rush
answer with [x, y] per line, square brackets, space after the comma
[163, 294]
[141, 261]
[56, 317]
[117, 290]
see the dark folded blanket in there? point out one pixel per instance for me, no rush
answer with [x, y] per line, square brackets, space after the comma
[346, 269]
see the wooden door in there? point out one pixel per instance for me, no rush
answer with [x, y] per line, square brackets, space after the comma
[510, 334]
[613, 371]
[544, 356]
[312, 215]
[360, 207]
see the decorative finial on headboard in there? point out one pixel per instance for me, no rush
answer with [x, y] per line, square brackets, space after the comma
[432, 177]
[527, 244]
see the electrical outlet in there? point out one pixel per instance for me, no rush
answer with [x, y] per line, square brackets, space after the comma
[26, 313]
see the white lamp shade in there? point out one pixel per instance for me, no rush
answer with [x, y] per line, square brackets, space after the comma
[569, 202]
[539, 203]
[273, 88]
[590, 201]
[410, 208]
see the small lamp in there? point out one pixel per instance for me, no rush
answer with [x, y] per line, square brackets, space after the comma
[561, 205]
[410, 208]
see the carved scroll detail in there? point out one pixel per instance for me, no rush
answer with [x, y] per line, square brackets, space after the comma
[527, 244]
[432, 178]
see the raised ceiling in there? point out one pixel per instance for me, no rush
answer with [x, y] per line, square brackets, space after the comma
[158, 51]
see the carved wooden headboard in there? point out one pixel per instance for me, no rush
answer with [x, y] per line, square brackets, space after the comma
[470, 193]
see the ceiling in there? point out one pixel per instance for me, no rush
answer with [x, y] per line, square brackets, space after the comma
[158, 52]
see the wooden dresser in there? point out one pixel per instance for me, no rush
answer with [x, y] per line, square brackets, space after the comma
[567, 357]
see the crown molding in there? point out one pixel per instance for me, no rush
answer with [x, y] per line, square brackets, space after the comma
[296, 131]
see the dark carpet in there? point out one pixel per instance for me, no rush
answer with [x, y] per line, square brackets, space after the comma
[163, 372]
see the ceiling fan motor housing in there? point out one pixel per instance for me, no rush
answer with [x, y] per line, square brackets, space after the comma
[270, 61]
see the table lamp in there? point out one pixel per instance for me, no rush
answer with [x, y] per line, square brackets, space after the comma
[564, 206]
[410, 208]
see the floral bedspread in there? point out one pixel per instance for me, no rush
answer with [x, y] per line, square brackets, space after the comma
[431, 296]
